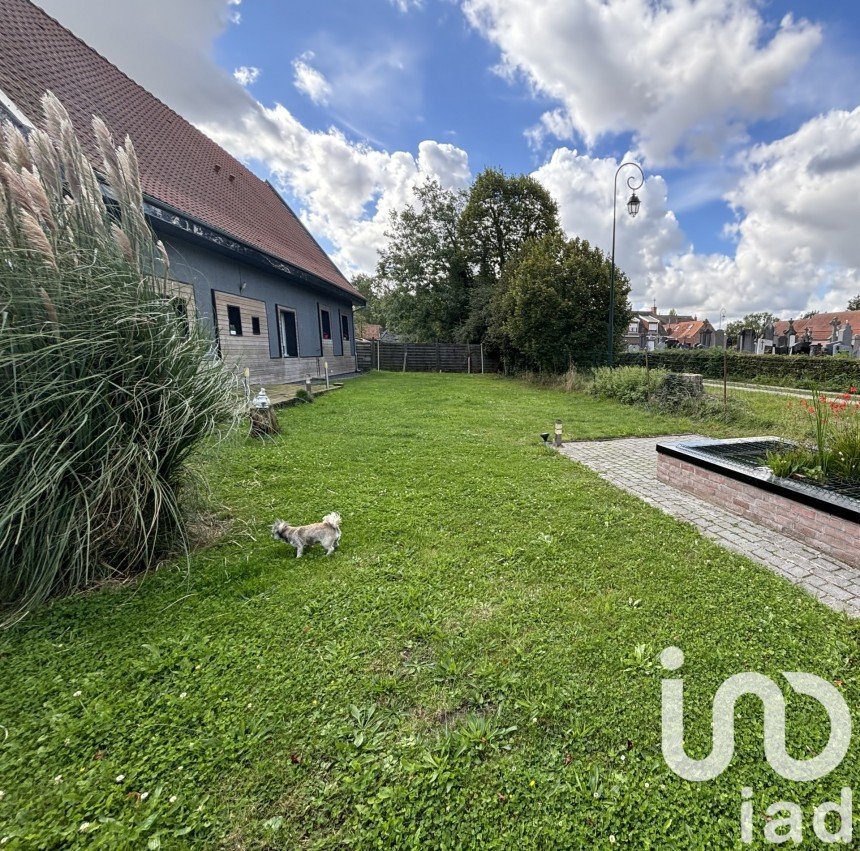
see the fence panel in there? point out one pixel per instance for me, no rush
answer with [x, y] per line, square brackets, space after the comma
[424, 357]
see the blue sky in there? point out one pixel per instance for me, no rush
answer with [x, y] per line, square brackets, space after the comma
[727, 104]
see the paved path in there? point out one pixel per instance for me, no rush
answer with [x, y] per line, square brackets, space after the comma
[631, 464]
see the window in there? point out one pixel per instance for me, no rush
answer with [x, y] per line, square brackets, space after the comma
[326, 324]
[344, 327]
[234, 320]
[255, 325]
[289, 333]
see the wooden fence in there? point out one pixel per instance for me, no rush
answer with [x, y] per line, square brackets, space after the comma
[424, 357]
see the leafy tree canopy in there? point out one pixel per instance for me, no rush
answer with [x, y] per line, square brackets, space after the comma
[553, 308]
[422, 272]
[854, 303]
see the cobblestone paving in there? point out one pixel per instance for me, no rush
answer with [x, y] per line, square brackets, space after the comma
[631, 464]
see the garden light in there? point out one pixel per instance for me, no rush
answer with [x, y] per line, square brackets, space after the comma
[558, 432]
[261, 400]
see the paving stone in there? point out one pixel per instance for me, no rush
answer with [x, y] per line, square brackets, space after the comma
[631, 464]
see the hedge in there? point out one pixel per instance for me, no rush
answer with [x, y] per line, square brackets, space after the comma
[823, 371]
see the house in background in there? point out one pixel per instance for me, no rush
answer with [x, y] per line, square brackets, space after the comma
[646, 332]
[653, 331]
[369, 333]
[691, 334]
[239, 256]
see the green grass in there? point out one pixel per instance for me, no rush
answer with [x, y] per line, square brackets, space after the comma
[474, 668]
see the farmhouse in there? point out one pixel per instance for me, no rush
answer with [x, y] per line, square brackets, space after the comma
[240, 258]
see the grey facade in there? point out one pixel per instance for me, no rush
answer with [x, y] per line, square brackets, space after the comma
[219, 278]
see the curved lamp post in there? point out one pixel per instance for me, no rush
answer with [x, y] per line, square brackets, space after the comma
[633, 209]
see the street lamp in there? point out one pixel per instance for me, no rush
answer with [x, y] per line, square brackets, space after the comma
[633, 209]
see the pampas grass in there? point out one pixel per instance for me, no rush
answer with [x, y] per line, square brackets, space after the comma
[105, 390]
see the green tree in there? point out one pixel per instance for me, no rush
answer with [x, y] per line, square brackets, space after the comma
[503, 214]
[373, 313]
[809, 314]
[422, 276]
[854, 303]
[553, 307]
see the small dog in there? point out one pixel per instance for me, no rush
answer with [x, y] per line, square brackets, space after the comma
[326, 533]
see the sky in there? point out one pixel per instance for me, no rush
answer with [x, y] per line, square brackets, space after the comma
[744, 115]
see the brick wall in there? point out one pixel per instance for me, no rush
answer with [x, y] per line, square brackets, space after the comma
[835, 536]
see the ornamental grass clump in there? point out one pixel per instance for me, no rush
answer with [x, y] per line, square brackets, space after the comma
[106, 386]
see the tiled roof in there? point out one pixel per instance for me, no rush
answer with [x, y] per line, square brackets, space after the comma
[820, 325]
[371, 332]
[686, 331]
[179, 165]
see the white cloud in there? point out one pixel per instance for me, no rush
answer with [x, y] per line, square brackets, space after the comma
[246, 75]
[582, 186]
[682, 76]
[406, 5]
[795, 230]
[309, 81]
[346, 190]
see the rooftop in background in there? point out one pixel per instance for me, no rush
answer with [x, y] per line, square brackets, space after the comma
[820, 325]
[180, 167]
[688, 332]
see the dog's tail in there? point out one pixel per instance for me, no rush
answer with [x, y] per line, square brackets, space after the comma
[332, 519]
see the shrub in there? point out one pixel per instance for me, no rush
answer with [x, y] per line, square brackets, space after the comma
[785, 370]
[106, 388]
[303, 396]
[629, 384]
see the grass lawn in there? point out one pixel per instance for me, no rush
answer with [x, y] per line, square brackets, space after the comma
[475, 667]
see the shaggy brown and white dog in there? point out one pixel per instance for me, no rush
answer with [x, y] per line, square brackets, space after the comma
[326, 533]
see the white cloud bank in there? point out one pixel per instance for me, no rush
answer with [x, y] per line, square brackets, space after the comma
[684, 76]
[347, 190]
[795, 230]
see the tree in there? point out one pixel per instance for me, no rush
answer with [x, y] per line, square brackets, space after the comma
[553, 307]
[854, 303]
[422, 275]
[757, 321]
[502, 215]
[374, 311]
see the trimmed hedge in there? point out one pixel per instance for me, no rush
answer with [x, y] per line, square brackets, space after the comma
[823, 372]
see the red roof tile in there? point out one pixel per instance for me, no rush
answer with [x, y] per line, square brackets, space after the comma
[819, 325]
[179, 165]
[370, 331]
[686, 332]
